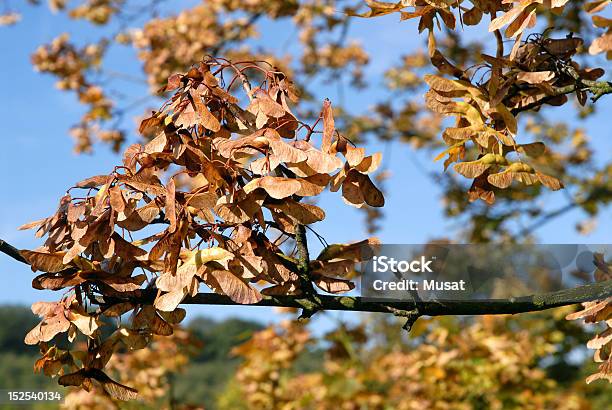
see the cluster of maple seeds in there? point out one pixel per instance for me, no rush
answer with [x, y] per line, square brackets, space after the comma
[491, 169]
[537, 72]
[518, 16]
[242, 165]
[599, 311]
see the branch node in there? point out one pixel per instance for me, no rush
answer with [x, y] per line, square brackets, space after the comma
[410, 315]
[304, 270]
[11, 251]
[307, 314]
[410, 321]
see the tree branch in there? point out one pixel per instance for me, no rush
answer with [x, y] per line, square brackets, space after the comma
[597, 88]
[411, 309]
[524, 304]
[304, 273]
[302, 247]
[547, 218]
[11, 251]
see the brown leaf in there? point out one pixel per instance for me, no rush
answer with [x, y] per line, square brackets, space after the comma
[600, 340]
[44, 261]
[351, 191]
[591, 309]
[317, 161]
[151, 127]
[93, 182]
[445, 66]
[148, 318]
[174, 82]
[358, 189]
[471, 169]
[372, 195]
[336, 268]
[222, 281]
[328, 126]
[448, 17]
[312, 185]
[48, 329]
[169, 301]
[303, 213]
[354, 156]
[117, 201]
[140, 218]
[535, 77]
[33, 224]
[174, 317]
[72, 379]
[276, 187]
[444, 85]
[473, 16]
[378, 8]
[56, 281]
[333, 285]
[356, 252]
[241, 210]
[117, 390]
[549, 182]
[84, 376]
[118, 309]
[370, 163]
[85, 323]
[205, 117]
[527, 18]
[601, 44]
[481, 189]
[170, 203]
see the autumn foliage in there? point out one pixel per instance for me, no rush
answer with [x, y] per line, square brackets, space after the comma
[453, 366]
[235, 164]
[223, 182]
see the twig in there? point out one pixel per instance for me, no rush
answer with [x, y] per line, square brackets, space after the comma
[524, 304]
[303, 267]
[11, 251]
[410, 309]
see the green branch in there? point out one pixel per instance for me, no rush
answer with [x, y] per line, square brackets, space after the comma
[523, 304]
[597, 88]
[314, 302]
[412, 309]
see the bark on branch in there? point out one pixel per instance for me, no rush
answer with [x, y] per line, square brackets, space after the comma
[597, 88]
[11, 251]
[314, 301]
[524, 304]
[410, 309]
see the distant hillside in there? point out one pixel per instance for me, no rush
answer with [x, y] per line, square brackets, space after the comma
[204, 379]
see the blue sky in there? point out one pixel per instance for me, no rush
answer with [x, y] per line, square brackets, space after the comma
[38, 164]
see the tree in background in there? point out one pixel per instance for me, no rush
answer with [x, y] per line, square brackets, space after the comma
[164, 377]
[446, 364]
[149, 368]
[223, 173]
